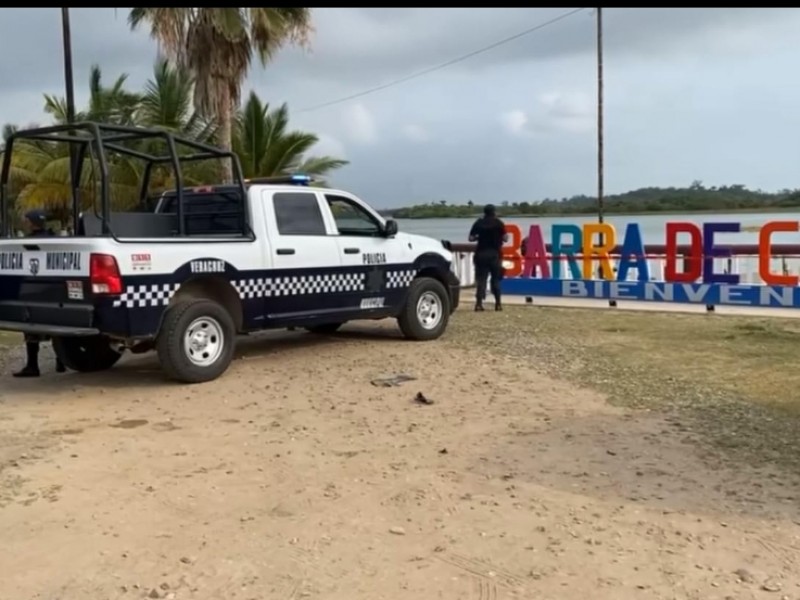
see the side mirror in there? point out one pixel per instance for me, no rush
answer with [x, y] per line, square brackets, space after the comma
[390, 228]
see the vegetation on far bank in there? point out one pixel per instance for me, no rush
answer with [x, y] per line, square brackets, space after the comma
[695, 198]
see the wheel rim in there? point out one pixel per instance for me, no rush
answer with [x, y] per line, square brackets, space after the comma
[204, 341]
[429, 310]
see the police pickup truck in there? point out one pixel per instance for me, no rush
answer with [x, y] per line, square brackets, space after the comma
[212, 262]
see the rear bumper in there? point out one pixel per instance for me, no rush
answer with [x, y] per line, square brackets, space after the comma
[454, 289]
[48, 330]
[49, 319]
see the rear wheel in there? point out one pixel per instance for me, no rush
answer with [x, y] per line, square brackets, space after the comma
[86, 354]
[427, 310]
[196, 341]
[325, 328]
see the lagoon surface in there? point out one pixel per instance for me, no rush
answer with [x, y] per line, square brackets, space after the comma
[652, 226]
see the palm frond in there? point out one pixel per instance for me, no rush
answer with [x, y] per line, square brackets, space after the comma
[267, 148]
[321, 165]
[217, 46]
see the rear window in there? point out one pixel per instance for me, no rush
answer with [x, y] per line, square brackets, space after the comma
[208, 212]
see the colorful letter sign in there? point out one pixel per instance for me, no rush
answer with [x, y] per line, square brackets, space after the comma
[581, 264]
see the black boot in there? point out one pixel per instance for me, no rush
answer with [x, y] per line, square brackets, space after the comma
[31, 368]
[60, 368]
[498, 305]
[479, 307]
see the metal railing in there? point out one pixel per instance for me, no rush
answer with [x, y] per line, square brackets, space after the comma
[744, 261]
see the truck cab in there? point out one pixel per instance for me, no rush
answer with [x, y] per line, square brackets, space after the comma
[214, 261]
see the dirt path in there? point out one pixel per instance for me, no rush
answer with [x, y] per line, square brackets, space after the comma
[294, 477]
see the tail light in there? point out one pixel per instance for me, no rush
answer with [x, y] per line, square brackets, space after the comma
[104, 274]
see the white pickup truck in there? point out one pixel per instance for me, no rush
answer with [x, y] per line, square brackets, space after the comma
[209, 263]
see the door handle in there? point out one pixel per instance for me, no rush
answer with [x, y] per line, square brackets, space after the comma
[352, 250]
[285, 250]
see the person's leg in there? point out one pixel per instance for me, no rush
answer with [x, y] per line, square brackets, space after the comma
[31, 368]
[481, 275]
[497, 276]
[60, 368]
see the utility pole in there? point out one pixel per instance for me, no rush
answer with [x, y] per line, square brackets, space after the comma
[70, 89]
[599, 114]
[611, 303]
[68, 79]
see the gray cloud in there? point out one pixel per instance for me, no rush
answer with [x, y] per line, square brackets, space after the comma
[690, 94]
[396, 42]
[31, 47]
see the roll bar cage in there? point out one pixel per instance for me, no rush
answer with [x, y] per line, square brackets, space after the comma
[98, 138]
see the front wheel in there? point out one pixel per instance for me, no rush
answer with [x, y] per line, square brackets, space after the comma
[196, 341]
[86, 354]
[427, 310]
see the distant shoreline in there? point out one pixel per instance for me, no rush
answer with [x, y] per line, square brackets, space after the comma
[710, 211]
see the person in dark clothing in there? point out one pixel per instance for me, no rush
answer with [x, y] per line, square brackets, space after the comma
[490, 233]
[37, 225]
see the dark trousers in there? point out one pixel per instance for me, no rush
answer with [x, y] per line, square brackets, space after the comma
[488, 264]
[32, 352]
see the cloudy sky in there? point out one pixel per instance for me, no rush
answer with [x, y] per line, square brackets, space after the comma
[691, 94]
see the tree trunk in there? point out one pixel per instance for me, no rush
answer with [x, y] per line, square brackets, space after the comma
[225, 142]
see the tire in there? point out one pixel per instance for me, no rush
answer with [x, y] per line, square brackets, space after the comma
[414, 322]
[196, 342]
[325, 328]
[86, 354]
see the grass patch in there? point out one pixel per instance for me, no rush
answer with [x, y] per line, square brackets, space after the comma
[731, 379]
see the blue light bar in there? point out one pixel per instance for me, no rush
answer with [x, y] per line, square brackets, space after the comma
[301, 179]
[296, 179]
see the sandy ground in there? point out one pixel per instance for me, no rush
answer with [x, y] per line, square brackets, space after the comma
[295, 477]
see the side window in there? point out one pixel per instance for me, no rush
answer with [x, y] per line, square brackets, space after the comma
[351, 219]
[297, 213]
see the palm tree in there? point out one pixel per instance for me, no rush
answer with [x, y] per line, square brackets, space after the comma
[267, 148]
[41, 169]
[17, 177]
[112, 104]
[217, 46]
[22, 172]
[167, 104]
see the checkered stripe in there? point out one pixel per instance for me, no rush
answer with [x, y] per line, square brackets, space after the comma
[400, 279]
[297, 285]
[140, 296]
[251, 288]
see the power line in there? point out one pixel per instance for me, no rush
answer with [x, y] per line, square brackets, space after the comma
[443, 65]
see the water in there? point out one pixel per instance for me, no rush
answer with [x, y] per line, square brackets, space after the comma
[652, 226]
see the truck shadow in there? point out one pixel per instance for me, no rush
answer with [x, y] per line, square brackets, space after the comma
[143, 371]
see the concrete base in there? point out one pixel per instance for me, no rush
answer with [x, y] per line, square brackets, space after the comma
[468, 301]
